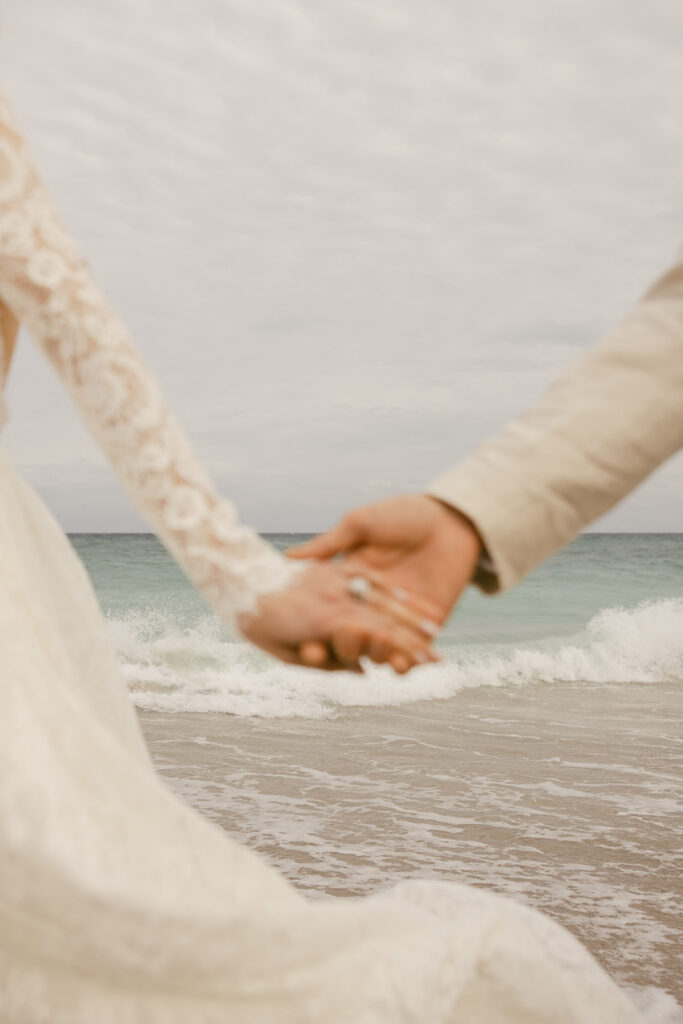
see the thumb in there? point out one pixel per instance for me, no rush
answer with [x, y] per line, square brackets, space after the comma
[343, 537]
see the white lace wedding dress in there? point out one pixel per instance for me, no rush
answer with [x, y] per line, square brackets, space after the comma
[118, 903]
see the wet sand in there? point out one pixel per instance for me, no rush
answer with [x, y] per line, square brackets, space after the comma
[566, 796]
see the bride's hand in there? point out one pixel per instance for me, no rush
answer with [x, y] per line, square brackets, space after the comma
[321, 621]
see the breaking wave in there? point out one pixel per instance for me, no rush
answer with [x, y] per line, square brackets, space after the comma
[169, 668]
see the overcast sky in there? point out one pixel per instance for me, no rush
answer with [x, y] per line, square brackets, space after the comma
[352, 238]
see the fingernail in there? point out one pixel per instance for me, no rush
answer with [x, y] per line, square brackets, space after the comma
[428, 627]
[421, 658]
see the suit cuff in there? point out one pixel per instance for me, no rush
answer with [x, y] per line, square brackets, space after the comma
[489, 511]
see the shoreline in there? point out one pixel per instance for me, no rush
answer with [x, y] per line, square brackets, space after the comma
[564, 796]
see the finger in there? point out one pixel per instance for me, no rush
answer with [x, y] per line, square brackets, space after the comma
[314, 654]
[327, 663]
[407, 640]
[416, 609]
[325, 659]
[363, 641]
[403, 614]
[422, 606]
[346, 535]
[378, 648]
[400, 662]
[414, 647]
[381, 641]
[282, 653]
[348, 642]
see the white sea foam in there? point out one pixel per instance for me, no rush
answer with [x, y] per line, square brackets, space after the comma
[198, 669]
[656, 1005]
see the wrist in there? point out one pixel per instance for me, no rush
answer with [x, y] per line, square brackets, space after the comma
[459, 548]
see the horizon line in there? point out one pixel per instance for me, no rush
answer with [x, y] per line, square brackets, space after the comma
[284, 533]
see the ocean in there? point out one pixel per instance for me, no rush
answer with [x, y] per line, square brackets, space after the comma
[541, 758]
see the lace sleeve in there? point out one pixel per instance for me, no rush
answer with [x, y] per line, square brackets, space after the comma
[48, 287]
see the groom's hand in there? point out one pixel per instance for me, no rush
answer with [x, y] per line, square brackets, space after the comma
[416, 542]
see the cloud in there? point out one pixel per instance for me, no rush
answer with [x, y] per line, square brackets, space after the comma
[362, 233]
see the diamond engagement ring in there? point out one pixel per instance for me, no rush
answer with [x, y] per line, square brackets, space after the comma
[359, 587]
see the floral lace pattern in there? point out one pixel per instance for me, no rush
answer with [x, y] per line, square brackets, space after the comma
[48, 286]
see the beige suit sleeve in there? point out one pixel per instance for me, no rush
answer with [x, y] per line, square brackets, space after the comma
[596, 433]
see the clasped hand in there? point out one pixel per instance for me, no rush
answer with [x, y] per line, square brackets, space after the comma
[417, 556]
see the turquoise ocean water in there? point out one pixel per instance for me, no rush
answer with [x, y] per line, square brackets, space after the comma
[607, 609]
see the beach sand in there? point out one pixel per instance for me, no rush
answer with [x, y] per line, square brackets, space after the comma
[566, 796]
